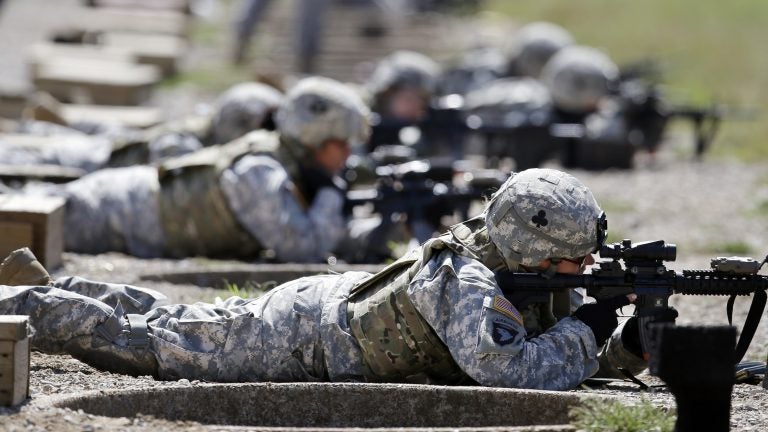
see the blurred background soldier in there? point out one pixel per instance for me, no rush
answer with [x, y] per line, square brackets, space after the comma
[401, 87]
[533, 45]
[89, 146]
[309, 24]
[269, 195]
[579, 77]
[242, 108]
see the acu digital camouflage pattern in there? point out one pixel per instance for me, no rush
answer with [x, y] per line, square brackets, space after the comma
[119, 209]
[299, 332]
[296, 332]
[318, 109]
[542, 213]
[114, 209]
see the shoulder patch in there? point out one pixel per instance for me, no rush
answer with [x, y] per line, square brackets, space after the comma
[503, 306]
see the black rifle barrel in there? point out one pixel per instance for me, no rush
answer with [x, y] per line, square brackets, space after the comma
[690, 282]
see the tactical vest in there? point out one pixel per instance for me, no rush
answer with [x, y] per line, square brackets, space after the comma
[195, 213]
[398, 345]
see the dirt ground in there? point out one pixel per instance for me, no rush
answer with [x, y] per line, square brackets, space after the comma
[709, 208]
[676, 190]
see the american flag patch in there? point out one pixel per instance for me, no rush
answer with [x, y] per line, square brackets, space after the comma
[501, 304]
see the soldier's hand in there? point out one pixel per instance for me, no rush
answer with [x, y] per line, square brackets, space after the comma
[600, 317]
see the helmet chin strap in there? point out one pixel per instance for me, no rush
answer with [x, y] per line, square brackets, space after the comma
[550, 271]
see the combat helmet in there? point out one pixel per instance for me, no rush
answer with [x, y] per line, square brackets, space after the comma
[534, 44]
[242, 108]
[318, 109]
[578, 77]
[404, 69]
[540, 214]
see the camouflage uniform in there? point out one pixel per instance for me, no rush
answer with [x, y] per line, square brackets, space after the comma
[435, 315]
[238, 199]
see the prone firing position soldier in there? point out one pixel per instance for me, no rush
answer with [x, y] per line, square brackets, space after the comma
[401, 89]
[437, 315]
[268, 194]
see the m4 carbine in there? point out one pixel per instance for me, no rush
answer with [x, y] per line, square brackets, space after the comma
[643, 273]
[421, 193]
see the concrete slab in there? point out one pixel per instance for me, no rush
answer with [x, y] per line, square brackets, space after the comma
[295, 406]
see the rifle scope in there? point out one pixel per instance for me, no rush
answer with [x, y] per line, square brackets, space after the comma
[657, 250]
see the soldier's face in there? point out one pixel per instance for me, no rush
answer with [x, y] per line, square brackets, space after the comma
[332, 155]
[407, 104]
[571, 266]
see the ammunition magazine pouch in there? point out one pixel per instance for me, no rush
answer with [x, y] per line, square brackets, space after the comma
[195, 213]
[397, 343]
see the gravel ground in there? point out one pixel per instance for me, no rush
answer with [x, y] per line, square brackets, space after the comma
[679, 188]
[707, 209]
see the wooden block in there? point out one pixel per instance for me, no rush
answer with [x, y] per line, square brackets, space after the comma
[46, 215]
[98, 82]
[13, 327]
[139, 21]
[15, 235]
[48, 51]
[162, 50]
[132, 116]
[12, 105]
[176, 5]
[14, 359]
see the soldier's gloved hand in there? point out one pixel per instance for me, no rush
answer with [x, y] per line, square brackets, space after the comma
[630, 337]
[630, 334]
[315, 178]
[601, 316]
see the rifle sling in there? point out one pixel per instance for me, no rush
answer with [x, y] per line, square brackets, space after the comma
[750, 324]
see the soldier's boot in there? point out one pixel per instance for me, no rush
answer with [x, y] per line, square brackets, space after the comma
[21, 267]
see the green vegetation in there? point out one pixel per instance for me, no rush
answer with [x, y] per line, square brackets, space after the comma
[249, 290]
[599, 415]
[212, 36]
[732, 248]
[709, 52]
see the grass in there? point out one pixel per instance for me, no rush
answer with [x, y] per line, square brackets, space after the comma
[248, 290]
[599, 415]
[709, 51]
[732, 248]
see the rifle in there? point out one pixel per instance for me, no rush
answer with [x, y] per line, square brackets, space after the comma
[423, 193]
[645, 275]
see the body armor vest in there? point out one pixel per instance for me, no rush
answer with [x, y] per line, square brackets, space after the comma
[397, 343]
[194, 211]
